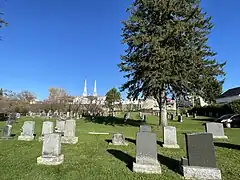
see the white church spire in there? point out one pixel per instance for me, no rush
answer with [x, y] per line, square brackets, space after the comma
[85, 88]
[95, 88]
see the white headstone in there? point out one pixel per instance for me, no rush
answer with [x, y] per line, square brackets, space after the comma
[170, 137]
[51, 151]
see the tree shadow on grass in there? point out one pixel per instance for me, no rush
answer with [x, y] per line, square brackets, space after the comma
[172, 164]
[114, 121]
[131, 140]
[227, 145]
[127, 159]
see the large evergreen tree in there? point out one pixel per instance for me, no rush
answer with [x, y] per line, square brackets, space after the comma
[168, 51]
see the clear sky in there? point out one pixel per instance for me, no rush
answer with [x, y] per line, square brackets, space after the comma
[59, 43]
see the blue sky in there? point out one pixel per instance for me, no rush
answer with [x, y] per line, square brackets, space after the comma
[59, 43]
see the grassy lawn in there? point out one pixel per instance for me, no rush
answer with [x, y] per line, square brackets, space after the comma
[92, 157]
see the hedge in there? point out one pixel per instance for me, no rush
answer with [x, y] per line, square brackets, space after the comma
[217, 110]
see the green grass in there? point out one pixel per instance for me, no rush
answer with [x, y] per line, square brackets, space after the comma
[92, 158]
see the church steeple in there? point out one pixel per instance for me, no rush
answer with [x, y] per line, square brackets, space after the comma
[95, 88]
[85, 88]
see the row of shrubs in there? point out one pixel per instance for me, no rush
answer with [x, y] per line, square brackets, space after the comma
[217, 110]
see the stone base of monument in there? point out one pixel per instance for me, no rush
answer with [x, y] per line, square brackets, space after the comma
[69, 140]
[220, 137]
[205, 173]
[118, 144]
[174, 146]
[26, 138]
[147, 168]
[50, 160]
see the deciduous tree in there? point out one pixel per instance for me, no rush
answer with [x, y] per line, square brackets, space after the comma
[113, 96]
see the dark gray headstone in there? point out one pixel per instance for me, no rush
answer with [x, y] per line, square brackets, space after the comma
[215, 128]
[200, 150]
[145, 128]
[180, 119]
[146, 148]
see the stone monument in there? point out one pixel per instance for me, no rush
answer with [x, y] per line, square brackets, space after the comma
[51, 151]
[146, 154]
[118, 139]
[69, 132]
[200, 162]
[216, 129]
[27, 133]
[170, 137]
[47, 128]
[6, 132]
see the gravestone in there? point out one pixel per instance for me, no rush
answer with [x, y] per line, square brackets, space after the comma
[69, 132]
[170, 137]
[172, 116]
[187, 114]
[144, 118]
[44, 114]
[146, 154]
[78, 116]
[145, 128]
[6, 132]
[126, 117]
[180, 118]
[27, 133]
[68, 114]
[51, 150]
[194, 115]
[216, 129]
[18, 115]
[210, 114]
[118, 139]
[47, 128]
[201, 161]
[60, 125]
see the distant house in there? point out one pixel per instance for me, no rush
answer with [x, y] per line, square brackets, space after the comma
[229, 96]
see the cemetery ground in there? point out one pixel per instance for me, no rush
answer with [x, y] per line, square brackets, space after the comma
[92, 158]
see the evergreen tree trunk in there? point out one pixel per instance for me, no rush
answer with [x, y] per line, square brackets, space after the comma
[163, 109]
